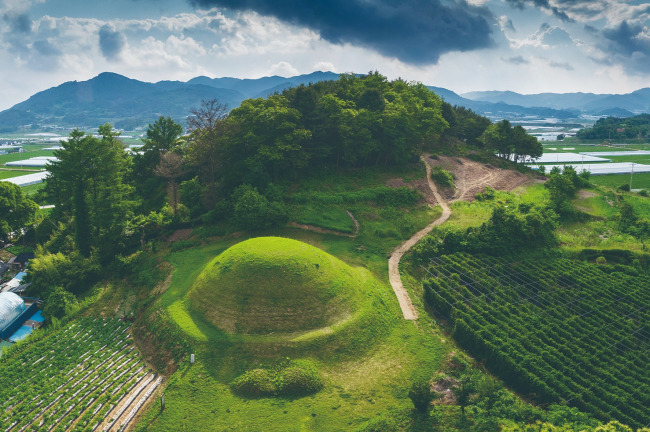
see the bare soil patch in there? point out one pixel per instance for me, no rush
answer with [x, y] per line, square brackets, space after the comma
[420, 184]
[180, 235]
[584, 193]
[472, 177]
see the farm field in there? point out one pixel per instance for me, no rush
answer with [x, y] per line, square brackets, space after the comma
[86, 376]
[28, 153]
[559, 330]
[7, 174]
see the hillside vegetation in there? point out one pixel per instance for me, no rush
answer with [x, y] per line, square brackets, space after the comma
[250, 258]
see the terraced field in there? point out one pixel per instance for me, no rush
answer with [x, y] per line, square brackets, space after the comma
[85, 377]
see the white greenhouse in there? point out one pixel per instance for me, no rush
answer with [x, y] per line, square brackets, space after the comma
[11, 306]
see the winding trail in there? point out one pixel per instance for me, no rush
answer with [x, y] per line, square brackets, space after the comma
[409, 312]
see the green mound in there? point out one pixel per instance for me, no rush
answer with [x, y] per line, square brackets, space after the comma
[276, 285]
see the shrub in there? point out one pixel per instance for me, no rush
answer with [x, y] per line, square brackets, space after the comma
[59, 303]
[254, 383]
[253, 211]
[300, 378]
[601, 260]
[296, 378]
[421, 395]
[442, 177]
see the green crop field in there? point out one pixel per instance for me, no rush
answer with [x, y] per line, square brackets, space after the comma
[639, 180]
[8, 157]
[7, 174]
[71, 379]
[558, 330]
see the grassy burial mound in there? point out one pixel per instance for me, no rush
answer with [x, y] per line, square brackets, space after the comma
[288, 290]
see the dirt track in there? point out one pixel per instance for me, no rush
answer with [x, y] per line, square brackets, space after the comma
[409, 312]
[471, 177]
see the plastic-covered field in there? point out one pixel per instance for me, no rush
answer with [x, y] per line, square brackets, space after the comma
[618, 153]
[566, 157]
[604, 168]
[28, 179]
[37, 161]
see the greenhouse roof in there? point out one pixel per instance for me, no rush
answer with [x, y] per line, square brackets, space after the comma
[11, 305]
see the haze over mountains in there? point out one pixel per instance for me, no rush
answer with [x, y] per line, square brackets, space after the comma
[129, 103]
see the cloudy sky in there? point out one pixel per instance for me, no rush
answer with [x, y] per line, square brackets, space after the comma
[528, 46]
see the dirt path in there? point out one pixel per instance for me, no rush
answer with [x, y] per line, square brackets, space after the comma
[409, 312]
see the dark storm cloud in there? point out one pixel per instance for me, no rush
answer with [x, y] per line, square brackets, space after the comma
[111, 42]
[416, 32]
[627, 44]
[625, 39]
[517, 60]
[543, 4]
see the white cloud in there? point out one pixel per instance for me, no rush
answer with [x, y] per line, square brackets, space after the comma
[283, 69]
[324, 66]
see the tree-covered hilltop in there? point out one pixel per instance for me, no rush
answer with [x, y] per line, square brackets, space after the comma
[618, 128]
[233, 167]
[354, 121]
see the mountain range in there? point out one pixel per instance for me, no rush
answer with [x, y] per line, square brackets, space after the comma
[129, 103]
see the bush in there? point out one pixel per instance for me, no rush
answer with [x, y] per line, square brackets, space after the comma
[421, 395]
[59, 303]
[253, 211]
[296, 378]
[72, 272]
[442, 177]
[254, 383]
[300, 378]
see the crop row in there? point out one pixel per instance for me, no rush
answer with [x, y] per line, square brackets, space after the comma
[556, 329]
[70, 378]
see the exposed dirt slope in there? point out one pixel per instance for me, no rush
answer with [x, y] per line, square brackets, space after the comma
[472, 177]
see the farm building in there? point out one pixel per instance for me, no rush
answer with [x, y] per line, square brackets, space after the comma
[22, 259]
[18, 317]
[15, 284]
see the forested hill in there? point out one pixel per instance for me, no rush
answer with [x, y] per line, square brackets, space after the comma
[619, 128]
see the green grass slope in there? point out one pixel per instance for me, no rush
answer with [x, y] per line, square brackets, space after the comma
[271, 284]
